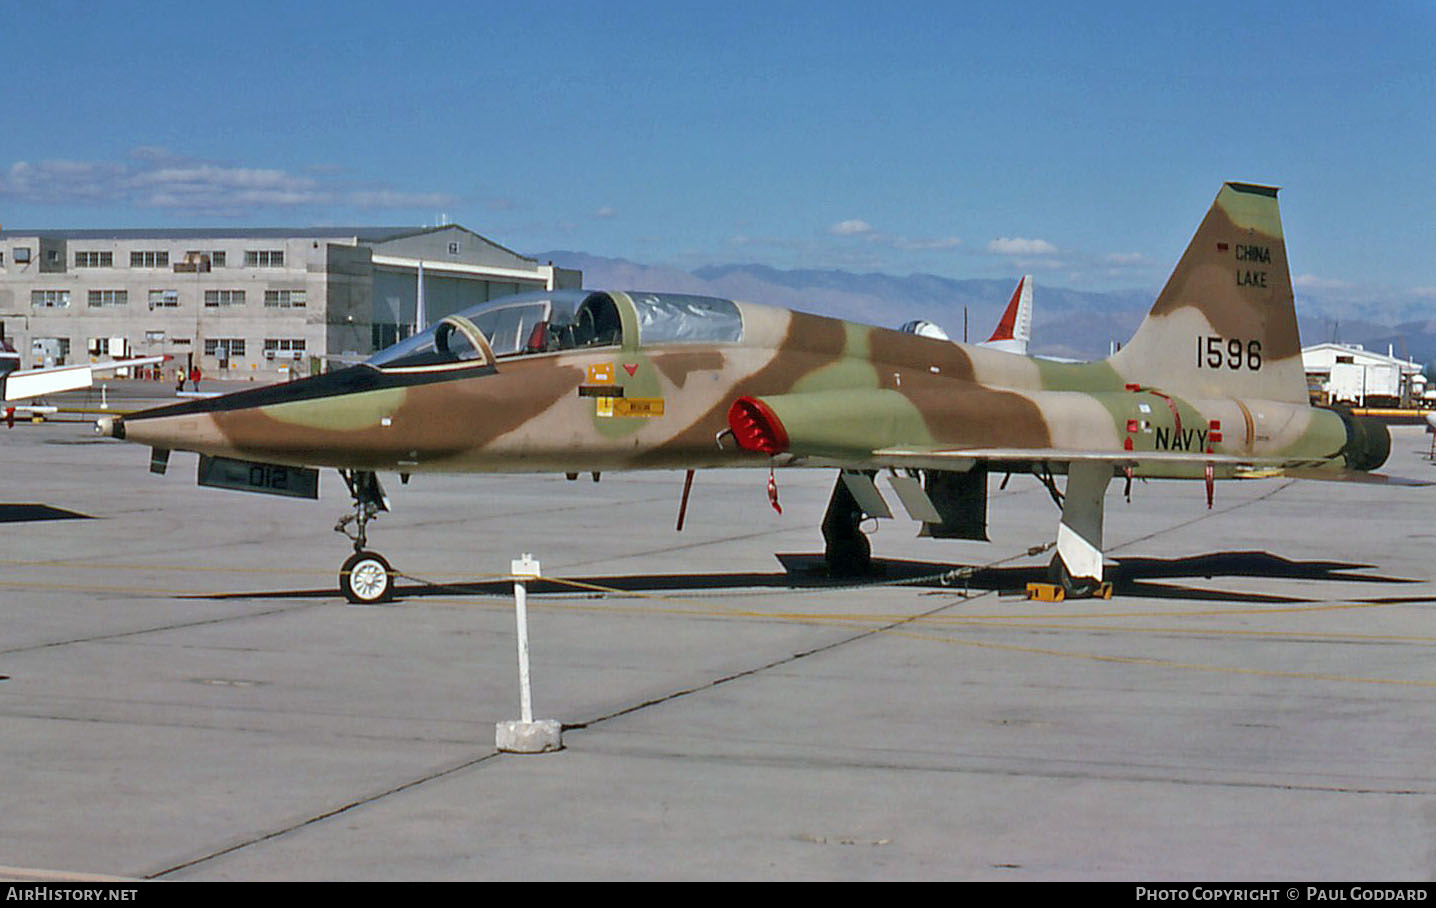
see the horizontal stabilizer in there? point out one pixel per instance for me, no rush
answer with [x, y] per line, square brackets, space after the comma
[39, 382]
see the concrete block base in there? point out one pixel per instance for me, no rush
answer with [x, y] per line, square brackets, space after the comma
[539, 736]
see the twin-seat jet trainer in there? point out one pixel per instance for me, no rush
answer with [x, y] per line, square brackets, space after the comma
[1211, 387]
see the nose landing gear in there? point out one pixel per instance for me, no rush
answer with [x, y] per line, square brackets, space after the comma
[365, 578]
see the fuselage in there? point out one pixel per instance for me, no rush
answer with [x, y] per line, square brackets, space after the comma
[845, 390]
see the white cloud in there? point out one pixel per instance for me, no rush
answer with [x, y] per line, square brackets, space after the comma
[606, 212]
[58, 181]
[942, 242]
[1124, 258]
[155, 178]
[1312, 282]
[1017, 245]
[854, 227]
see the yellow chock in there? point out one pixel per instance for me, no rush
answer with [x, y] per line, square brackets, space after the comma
[1046, 592]
[1053, 592]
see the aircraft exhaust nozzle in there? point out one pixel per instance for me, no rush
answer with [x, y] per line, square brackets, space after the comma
[1368, 441]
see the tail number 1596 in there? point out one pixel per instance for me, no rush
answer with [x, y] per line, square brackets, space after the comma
[1228, 353]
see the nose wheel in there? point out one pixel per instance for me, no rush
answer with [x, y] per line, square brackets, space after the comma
[366, 578]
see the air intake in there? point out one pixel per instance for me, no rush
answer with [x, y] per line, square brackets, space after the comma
[756, 427]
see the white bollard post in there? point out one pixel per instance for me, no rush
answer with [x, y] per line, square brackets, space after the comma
[104, 397]
[526, 736]
[522, 571]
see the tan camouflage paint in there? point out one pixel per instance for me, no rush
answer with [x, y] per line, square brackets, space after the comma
[1214, 374]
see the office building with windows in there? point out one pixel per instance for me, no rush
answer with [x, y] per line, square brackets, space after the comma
[246, 302]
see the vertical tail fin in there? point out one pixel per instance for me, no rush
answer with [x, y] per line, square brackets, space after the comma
[1014, 329]
[1225, 324]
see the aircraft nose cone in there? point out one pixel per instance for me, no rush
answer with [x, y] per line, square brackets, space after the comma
[110, 426]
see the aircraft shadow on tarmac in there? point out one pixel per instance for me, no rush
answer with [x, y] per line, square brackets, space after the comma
[25, 513]
[1133, 576]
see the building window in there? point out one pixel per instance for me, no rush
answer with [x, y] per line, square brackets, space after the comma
[50, 299]
[285, 299]
[21, 254]
[224, 297]
[224, 347]
[154, 337]
[104, 299]
[164, 299]
[94, 260]
[264, 258]
[149, 259]
[282, 345]
[453, 249]
[203, 259]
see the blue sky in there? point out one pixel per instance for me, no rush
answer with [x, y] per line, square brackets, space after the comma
[1080, 142]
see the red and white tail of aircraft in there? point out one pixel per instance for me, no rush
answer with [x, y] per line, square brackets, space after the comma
[1014, 329]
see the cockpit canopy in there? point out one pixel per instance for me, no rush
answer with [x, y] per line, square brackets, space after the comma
[548, 321]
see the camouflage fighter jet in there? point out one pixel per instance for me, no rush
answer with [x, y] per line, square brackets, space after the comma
[1211, 387]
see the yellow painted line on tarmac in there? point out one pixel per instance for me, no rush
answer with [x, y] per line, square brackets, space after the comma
[878, 624]
[96, 588]
[1198, 631]
[1166, 663]
[139, 566]
[39, 875]
[882, 623]
[1183, 613]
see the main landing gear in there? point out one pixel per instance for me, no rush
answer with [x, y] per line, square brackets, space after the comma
[960, 499]
[846, 548]
[1075, 571]
[366, 578]
[1077, 566]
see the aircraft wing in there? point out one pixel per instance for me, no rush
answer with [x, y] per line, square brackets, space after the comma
[39, 382]
[944, 458]
[1150, 463]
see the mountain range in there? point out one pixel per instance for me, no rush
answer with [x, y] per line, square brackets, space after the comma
[1079, 324]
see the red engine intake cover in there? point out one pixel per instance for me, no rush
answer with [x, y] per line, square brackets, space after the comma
[756, 427]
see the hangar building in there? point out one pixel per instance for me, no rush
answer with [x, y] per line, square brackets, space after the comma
[260, 302]
[1350, 374]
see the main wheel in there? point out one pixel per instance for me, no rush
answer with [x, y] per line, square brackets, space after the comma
[1074, 587]
[366, 578]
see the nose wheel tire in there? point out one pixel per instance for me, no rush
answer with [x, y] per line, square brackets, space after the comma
[366, 579]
